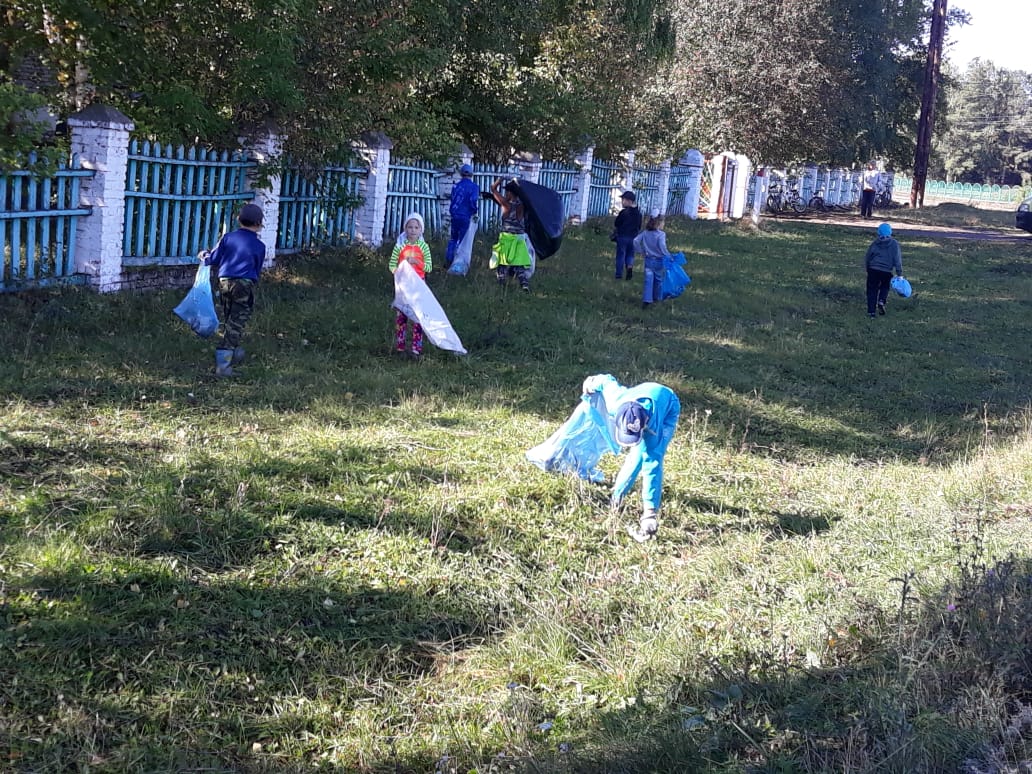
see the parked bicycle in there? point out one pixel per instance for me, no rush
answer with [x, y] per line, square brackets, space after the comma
[779, 200]
[816, 202]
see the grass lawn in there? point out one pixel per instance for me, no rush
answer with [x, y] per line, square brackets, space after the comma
[341, 560]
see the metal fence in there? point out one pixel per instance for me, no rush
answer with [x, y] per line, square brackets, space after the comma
[966, 192]
[317, 210]
[606, 177]
[412, 187]
[677, 191]
[180, 201]
[37, 225]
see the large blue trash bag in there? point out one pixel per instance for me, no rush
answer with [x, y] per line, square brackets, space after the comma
[579, 443]
[901, 286]
[676, 279]
[198, 308]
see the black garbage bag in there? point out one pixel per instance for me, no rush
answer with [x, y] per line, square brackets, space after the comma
[543, 209]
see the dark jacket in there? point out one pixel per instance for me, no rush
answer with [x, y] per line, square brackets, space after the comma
[884, 255]
[238, 255]
[628, 222]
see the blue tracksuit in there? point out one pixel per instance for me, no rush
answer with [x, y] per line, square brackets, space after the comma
[464, 198]
[646, 457]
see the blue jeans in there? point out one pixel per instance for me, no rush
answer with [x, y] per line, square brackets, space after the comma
[624, 254]
[655, 271]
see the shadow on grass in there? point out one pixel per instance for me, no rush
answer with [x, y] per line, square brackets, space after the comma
[176, 662]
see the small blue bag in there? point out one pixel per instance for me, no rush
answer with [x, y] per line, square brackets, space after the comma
[675, 279]
[578, 445]
[901, 286]
[198, 308]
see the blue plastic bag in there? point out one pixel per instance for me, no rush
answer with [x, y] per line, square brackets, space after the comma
[198, 308]
[675, 279]
[901, 286]
[579, 443]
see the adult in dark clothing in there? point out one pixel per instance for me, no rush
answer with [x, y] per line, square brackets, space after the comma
[626, 228]
[239, 257]
[883, 257]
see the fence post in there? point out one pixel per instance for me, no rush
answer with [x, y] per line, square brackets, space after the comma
[100, 136]
[375, 151]
[740, 192]
[663, 185]
[693, 160]
[529, 164]
[266, 147]
[582, 185]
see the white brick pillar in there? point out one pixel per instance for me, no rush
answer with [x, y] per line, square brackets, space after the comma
[663, 190]
[375, 151]
[582, 185]
[740, 192]
[100, 137]
[529, 165]
[266, 147]
[626, 179]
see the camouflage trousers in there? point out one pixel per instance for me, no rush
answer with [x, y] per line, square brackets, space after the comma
[237, 297]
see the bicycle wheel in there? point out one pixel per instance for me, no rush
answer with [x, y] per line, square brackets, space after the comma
[774, 203]
[798, 205]
[816, 203]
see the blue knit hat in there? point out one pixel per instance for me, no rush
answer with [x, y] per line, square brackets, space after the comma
[631, 419]
[884, 230]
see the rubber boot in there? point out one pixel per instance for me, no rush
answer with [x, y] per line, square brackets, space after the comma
[238, 356]
[223, 362]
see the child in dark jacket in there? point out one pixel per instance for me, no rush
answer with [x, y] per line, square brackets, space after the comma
[883, 257]
[239, 257]
[626, 228]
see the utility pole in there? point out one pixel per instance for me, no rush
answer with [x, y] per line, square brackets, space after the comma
[926, 122]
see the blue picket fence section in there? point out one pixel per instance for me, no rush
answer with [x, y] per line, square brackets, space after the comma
[179, 201]
[318, 210]
[562, 180]
[677, 190]
[645, 183]
[412, 187]
[489, 214]
[37, 226]
[606, 177]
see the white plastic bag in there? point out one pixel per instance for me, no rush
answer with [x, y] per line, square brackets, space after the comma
[414, 299]
[464, 251]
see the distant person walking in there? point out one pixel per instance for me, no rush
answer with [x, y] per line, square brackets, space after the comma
[625, 229]
[651, 243]
[883, 257]
[869, 180]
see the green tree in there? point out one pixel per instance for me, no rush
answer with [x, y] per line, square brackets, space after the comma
[989, 127]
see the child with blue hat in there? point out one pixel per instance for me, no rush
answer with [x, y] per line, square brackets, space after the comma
[883, 257]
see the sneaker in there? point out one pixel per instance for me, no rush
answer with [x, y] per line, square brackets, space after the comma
[619, 277]
[646, 529]
[881, 307]
[525, 288]
[871, 315]
[630, 271]
[646, 304]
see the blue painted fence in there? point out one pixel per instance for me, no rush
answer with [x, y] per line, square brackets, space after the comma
[967, 192]
[645, 183]
[677, 190]
[318, 211]
[562, 180]
[180, 201]
[606, 177]
[412, 187]
[37, 226]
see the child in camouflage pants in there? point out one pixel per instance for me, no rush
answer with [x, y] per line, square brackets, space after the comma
[239, 257]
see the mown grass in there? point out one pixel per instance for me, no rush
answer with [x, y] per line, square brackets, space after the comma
[341, 560]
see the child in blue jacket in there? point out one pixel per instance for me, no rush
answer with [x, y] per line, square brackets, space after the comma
[238, 258]
[645, 417]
